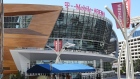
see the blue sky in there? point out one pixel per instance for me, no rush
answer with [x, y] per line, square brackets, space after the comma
[135, 11]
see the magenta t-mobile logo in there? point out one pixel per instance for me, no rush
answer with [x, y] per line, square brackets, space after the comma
[67, 4]
[84, 8]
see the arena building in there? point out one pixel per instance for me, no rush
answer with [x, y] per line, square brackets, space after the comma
[31, 30]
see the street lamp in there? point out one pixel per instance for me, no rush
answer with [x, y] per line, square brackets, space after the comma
[129, 66]
[67, 45]
[124, 32]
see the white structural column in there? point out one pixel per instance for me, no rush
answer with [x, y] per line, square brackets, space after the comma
[129, 62]
[127, 59]
[65, 76]
[101, 68]
[133, 20]
[127, 53]
[57, 53]
[119, 60]
[20, 60]
[67, 44]
[51, 76]
[132, 67]
[94, 65]
[57, 76]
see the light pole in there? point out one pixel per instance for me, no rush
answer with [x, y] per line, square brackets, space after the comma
[129, 61]
[67, 44]
[124, 32]
[119, 59]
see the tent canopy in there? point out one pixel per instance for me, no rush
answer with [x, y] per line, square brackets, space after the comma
[60, 68]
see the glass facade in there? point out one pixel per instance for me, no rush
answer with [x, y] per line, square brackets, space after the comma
[87, 32]
[107, 66]
[113, 45]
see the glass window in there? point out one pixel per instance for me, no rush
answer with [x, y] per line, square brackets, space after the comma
[17, 21]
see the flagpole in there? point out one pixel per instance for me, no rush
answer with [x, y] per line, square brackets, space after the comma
[58, 59]
[124, 32]
[119, 59]
[126, 40]
[132, 67]
[122, 10]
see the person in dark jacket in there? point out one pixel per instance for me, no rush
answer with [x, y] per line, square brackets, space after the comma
[98, 76]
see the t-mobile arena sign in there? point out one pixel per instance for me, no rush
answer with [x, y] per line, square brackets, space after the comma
[85, 8]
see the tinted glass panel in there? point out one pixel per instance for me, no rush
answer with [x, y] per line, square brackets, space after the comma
[87, 32]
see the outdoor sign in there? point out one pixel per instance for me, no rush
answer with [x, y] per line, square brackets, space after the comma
[58, 45]
[118, 11]
[85, 8]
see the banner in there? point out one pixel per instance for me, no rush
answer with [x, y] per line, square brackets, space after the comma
[118, 11]
[58, 45]
[127, 3]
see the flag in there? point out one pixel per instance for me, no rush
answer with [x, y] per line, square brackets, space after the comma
[118, 11]
[127, 5]
[58, 45]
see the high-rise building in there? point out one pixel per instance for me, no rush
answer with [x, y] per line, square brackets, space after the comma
[134, 44]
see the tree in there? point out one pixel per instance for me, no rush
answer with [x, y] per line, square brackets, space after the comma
[19, 75]
[123, 67]
[136, 65]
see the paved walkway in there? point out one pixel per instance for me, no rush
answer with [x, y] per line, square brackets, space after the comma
[122, 77]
